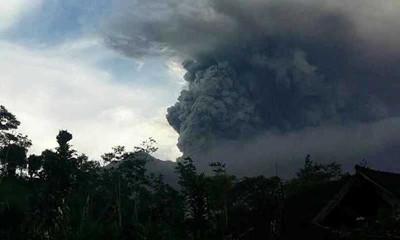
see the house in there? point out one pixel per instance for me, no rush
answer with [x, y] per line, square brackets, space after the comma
[366, 207]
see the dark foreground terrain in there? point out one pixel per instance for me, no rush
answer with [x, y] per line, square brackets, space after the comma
[61, 194]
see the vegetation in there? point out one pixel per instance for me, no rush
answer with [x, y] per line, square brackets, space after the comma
[61, 194]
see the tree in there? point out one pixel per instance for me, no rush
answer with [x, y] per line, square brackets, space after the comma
[128, 188]
[7, 120]
[115, 156]
[257, 206]
[59, 174]
[57, 165]
[13, 146]
[35, 163]
[194, 191]
[8, 125]
[317, 173]
[220, 185]
[164, 214]
[13, 157]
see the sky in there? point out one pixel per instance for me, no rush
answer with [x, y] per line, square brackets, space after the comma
[57, 73]
[251, 83]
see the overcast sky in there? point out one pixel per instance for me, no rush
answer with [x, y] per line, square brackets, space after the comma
[56, 73]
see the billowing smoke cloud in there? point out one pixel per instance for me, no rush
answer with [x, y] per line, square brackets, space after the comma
[262, 67]
[376, 143]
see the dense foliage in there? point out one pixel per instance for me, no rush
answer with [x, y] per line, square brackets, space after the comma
[61, 194]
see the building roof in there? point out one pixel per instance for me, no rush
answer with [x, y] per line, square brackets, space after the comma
[389, 181]
[387, 185]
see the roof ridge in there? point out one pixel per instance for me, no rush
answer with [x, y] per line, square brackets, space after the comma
[359, 168]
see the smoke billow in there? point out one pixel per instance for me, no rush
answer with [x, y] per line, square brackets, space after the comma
[259, 68]
[376, 143]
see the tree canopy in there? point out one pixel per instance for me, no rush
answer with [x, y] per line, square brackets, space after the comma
[60, 194]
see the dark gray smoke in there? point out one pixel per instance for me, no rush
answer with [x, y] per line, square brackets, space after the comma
[257, 67]
[376, 143]
[279, 92]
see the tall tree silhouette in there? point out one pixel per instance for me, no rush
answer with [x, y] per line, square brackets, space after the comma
[13, 145]
[194, 191]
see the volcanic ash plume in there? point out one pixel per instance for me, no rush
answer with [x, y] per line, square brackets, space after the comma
[259, 67]
[269, 93]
